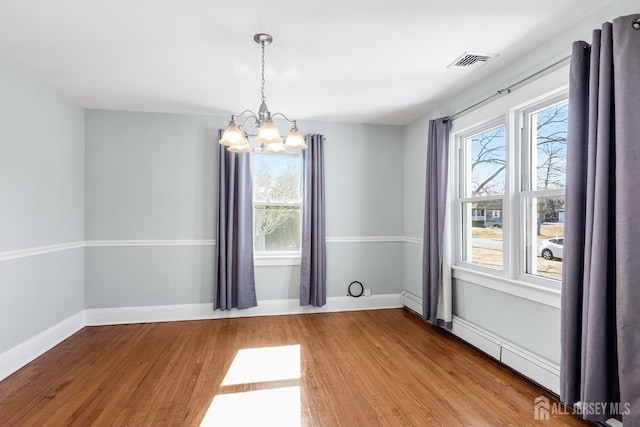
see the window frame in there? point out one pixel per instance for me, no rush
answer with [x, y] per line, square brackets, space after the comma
[524, 144]
[463, 156]
[553, 85]
[277, 258]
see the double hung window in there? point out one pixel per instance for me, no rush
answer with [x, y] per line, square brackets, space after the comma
[544, 143]
[482, 194]
[510, 192]
[277, 202]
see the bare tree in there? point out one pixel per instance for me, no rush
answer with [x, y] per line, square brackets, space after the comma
[488, 160]
[551, 169]
[552, 147]
[280, 195]
[491, 152]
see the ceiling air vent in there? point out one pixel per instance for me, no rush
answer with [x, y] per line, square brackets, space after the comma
[471, 60]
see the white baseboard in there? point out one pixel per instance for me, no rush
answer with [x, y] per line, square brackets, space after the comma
[169, 313]
[532, 366]
[18, 356]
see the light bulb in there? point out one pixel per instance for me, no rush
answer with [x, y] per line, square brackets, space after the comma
[232, 135]
[245, 147]
[268, 133]
[276, 148]
[295, 140]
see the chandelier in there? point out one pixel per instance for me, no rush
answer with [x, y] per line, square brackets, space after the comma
[268, 135]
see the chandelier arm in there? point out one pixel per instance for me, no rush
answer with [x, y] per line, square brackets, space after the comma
[251, 113]
[285, 117]
[252, 116]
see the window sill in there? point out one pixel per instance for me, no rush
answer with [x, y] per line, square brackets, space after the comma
[547, 295]
[276, 260]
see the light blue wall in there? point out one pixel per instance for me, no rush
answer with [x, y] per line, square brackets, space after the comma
[149, 177]
[147, 276]
[363, 178]
[42, 203]
[415, 155]
[531, 325]
[38, 292]
[152, 177]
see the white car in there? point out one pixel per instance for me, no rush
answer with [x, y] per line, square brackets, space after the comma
[551, 248]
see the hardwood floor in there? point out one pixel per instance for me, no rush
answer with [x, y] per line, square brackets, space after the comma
[367, 368]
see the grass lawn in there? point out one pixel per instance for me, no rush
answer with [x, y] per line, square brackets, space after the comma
[551, 269]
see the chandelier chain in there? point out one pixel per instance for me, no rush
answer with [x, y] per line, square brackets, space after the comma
[263, 80]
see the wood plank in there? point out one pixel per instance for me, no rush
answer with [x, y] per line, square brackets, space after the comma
[383, 367]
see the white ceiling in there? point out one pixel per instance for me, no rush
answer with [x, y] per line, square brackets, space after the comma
[369, 61]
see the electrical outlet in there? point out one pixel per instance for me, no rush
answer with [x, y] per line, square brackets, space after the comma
[367, 292]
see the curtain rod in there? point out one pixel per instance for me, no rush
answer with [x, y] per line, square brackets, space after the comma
[508, 89]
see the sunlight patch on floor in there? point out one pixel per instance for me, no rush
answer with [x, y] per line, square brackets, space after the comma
[274, 407]
[256, 365]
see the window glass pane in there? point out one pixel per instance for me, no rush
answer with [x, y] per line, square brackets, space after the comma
[485, 168]
[545, 236]
[482, 241]
[277, 228]
[549, 147]
[277, 178]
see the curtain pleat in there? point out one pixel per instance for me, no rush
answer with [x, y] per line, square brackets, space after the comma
[435, 288]
[313, 263]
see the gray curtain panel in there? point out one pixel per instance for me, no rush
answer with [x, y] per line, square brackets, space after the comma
[600, 333]
[234, 275]
[434, 216]
[313, 264]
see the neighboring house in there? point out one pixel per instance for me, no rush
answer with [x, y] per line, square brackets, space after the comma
[488, 214]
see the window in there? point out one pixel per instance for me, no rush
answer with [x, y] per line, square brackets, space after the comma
[482, 192]
[277, 201]
[510, 191]
[544, 150]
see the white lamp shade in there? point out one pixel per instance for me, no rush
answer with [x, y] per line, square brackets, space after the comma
[295, 140]
[232, 136]
[276, 147]
[268, 133]
[244, 148]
